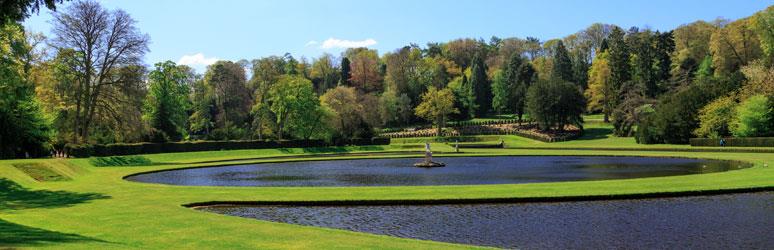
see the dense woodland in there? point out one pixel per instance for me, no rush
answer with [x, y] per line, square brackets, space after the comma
[87, 83]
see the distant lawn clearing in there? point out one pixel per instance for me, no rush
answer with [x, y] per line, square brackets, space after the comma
[101, 210]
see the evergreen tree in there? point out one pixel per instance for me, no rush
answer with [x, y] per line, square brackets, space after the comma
[555, 104]
[603, 47]
[519, 75]
[580, 70]
[665, 46]
[618, 59]
[345, 72]
[481, 86]
[642, 53]
[562, 67]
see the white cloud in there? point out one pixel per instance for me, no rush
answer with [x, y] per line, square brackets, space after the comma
[197, 59]
[343, 44]
[310, 43]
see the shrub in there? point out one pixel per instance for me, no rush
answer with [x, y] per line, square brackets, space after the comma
[647, 133]
[76, 150]
[714, 118]
[554, 104]
[734, 142]
[753, 117]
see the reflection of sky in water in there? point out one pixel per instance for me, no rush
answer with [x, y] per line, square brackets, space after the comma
[741, 221]
[458, 171]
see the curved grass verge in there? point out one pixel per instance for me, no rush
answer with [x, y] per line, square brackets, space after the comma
[143, 215]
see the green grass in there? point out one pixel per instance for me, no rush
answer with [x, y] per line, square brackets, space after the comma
[98, 209]
[116, 161]
[40, 172]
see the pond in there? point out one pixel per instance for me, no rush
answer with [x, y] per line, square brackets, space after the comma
[739, 221]
[458, 171]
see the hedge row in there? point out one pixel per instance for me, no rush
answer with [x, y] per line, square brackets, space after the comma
[488, 130]
[87, 150]
[734, 142]
[453, 125]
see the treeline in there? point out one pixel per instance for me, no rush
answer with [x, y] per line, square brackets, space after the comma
[87, 84]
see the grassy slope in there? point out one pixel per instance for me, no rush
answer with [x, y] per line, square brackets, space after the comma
[99, 209]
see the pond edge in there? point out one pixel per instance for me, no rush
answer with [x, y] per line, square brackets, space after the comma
[462, 201]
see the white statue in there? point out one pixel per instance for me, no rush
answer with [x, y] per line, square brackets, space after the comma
[428, 153]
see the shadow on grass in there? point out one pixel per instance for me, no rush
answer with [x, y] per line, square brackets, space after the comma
[15, 197]
[596, 133]
[15, 235]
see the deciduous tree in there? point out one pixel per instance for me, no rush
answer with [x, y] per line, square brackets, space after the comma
[104, 41]
[436, 106]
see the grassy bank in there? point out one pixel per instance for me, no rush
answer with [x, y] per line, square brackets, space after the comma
[93, 207]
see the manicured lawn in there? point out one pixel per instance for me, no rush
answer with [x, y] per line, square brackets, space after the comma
[98, 209]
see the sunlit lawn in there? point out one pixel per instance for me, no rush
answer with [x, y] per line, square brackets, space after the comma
[96, 208]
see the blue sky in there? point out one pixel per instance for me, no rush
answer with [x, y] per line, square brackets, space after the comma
[198, 31]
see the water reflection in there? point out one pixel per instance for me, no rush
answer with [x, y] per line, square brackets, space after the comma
[742, 221]
[459, 171]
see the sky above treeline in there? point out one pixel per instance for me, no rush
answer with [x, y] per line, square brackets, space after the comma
[199, 32]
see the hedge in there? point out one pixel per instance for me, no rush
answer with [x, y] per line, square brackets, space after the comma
[734, 142]
[87, 150]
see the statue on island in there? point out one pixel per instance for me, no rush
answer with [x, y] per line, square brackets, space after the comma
[428, 162]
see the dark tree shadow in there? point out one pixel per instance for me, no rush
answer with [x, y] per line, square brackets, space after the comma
[15, 235]
[15, 197]
[596, 133]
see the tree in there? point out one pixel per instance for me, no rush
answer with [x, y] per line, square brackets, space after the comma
[664, 48]
[346, 72]
[294, 104]
[518, 75]
[25, 132]
[403, 72]
[201, 121]
[759, 80]
[395, 109]
[436, 106]
[365, 74]
[635, 106]
[692, 42]
[533, 47]
[166, 106]
[763, 25]
[643, 57]
[18, 10]
[618, 59]
[481, 86]
[676, 115]
[462, 51]
[324, 74]
[601, 92]
[266, 72]
[753, 117]
[343, 101]
[104, 41]
[562, 69]
[733, 46]
[555, 104]
[714, 119]
[230, 94]
[463, 94]
[500, 93]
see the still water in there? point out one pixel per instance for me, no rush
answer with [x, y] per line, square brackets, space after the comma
[458, 171]
[740, 221]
